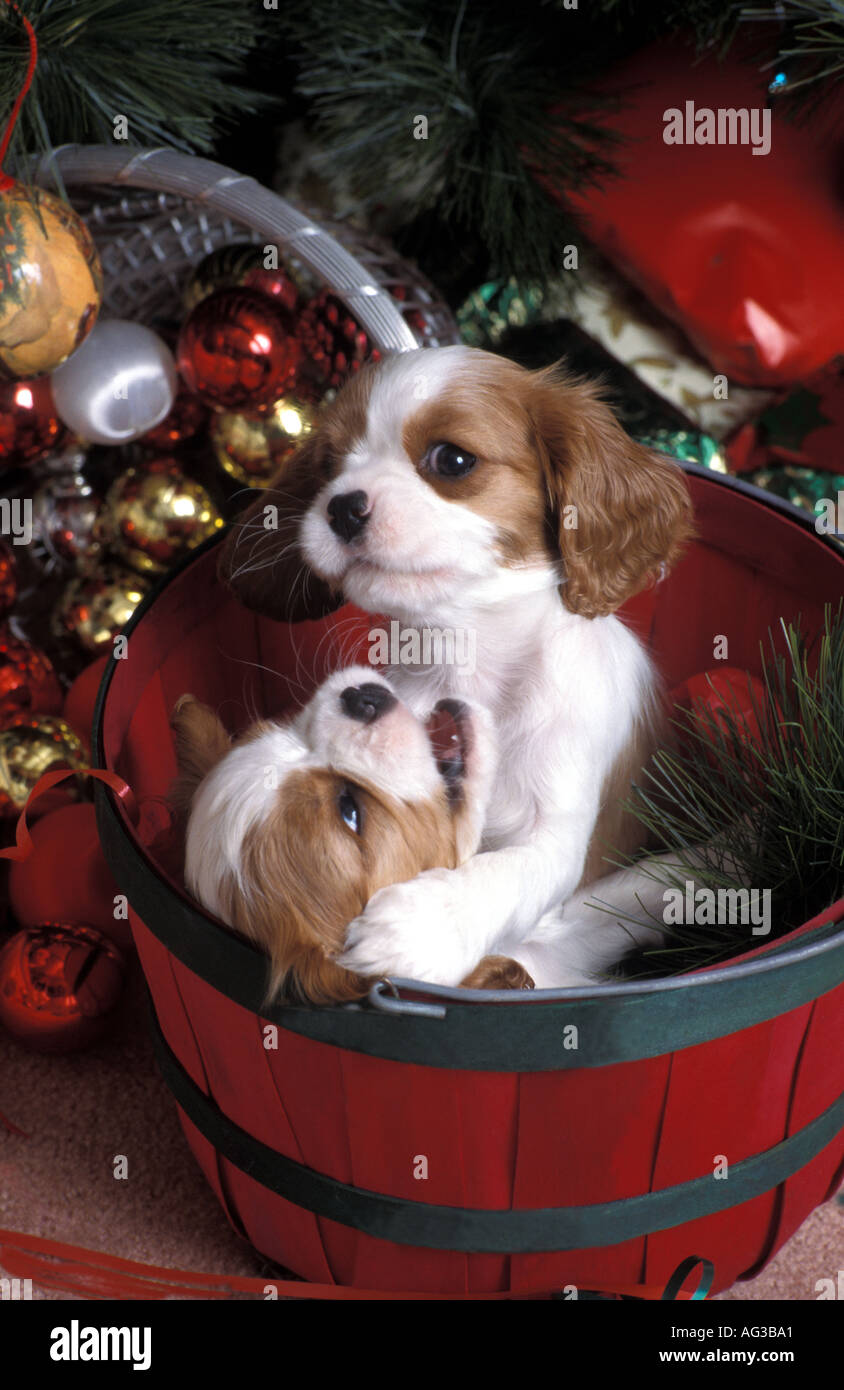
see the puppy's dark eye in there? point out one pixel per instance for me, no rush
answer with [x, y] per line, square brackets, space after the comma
[450, 461]
[350, 811]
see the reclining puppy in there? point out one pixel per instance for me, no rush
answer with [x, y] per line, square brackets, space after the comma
[293, 827]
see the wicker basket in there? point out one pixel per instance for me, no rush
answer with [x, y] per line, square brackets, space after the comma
[156, 213]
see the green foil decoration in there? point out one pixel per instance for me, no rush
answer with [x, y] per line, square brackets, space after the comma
[494, 308]
[690, 446]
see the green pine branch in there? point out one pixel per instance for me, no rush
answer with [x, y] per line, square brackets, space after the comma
[766, 805]
[485, 84]
[171, 67]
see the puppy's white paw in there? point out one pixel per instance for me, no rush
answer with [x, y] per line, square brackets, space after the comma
[417, 930]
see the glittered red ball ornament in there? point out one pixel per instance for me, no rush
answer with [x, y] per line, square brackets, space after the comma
[66, 876]
[60, 983]
[188, 416]
[238, 350]
[8, 578]
[413, 317]
[29, 425]
[28, 683]
[334, 343]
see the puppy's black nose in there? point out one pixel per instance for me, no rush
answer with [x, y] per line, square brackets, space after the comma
[348, 514]
[367, 702]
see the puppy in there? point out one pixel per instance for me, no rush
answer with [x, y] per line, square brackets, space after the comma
[452, 489]
[292, 827]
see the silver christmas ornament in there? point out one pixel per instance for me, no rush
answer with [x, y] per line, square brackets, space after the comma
[117, 385]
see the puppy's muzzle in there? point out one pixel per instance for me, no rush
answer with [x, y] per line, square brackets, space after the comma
[348, 515]
[367, 702]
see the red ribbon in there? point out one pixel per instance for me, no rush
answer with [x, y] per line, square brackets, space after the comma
[92, 1274]
[5, 181]
[23, 845]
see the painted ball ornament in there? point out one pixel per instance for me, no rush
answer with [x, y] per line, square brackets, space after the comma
[30, 427]
[154, 513]
[238, 350]
[251, 448]
[60, 983]
[51, 287]
[121, 383]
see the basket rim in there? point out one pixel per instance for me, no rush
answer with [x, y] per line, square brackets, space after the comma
[716, 981]
[243, 199]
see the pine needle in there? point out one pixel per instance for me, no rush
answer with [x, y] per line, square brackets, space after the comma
[766, 805]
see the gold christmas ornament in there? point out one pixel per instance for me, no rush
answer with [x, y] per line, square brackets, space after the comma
[154, 513]
[95, 606]
[51, 289]
[252, 448]
[31, 745]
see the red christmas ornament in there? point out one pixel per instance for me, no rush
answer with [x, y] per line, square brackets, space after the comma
[29, 425]
[66, 876]
[728, 693]
[335, 345]
[238, 350]
[8, 578]
[414, 317]
[188, 416]
[28, 683]
[59, 985]
[276, 283]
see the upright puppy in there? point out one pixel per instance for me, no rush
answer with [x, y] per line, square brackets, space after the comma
[451, 489]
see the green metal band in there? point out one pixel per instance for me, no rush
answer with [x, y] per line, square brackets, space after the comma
[499, 1232]
[489, 1031]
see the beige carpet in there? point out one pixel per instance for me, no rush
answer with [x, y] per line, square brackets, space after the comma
[81, 1111]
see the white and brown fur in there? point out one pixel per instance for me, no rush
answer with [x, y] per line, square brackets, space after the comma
[571, 691]
[272, 849]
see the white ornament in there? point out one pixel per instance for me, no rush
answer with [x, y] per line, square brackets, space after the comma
[117, 385]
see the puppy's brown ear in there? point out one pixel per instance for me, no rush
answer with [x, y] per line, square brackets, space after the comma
[261, 559]
[619, 512]
[311, 976]
[201, 741]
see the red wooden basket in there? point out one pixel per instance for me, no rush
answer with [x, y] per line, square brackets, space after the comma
[545, 1166]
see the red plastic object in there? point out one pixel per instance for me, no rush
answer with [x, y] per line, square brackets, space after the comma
[742, 250]
[66, 878]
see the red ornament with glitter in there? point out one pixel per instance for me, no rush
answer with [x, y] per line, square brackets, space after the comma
[334, 343]
[188, 416]
[28, 683]
[59, 986]
[238, 350]
[29, 425]
[8, 579]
